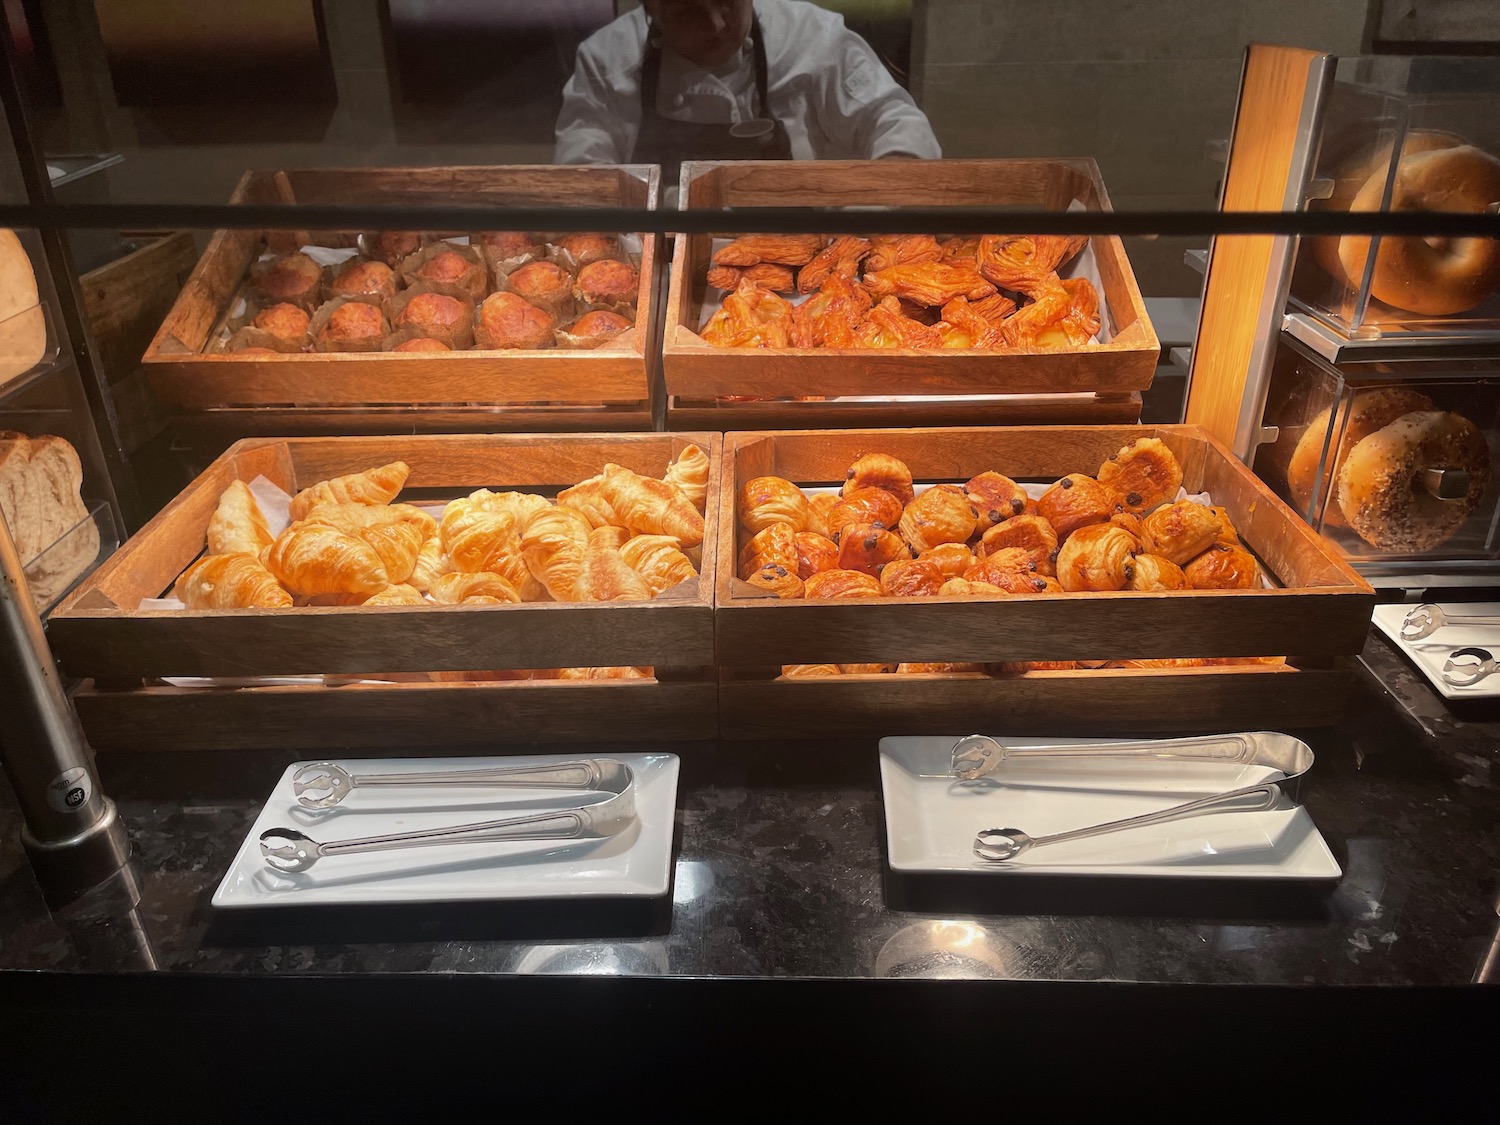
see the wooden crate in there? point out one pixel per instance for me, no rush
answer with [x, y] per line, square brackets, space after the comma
[696, 374]
[1319, 613]
[993, 410]
[530, 384]
[100, 634]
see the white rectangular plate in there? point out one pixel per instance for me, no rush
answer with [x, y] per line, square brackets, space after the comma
[635, 864]
[1429, 653]
[931, 822]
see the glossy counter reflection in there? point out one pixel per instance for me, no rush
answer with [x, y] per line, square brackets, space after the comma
[779, 872]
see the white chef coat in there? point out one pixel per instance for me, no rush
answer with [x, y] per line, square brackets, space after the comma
[827, 87]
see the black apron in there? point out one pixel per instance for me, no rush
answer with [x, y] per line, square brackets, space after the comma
[668, 143]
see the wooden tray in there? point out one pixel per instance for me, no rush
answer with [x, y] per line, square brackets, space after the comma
[992, 410]
[1321, 611]
[100, 634]
[697, 372]
[616, 374]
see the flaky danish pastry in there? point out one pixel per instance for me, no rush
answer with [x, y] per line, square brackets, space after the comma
[867, 547]
[1224, 566]
[950, 558]
[659, 561]
[814, 553]
[1077, 501]
[880, 470]
[818, 508]
[237, 526]
[863, 505]
[373, 486]
[996, 498]
[1179, 531]
[311, 559]
[767, 500]
[941, 514]
[1032, 534]
[652, 507]
[779, 580]
[775, 545]
[1152, 573]
[1144, 473]
[235, 581]
[689, 472]
[1097, 557]
[841, 584]
[552, 546]
[910, 578]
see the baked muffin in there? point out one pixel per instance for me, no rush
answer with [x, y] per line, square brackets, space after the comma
[544, 284]
[422, 344]
[607, 282]
[438, 316]
[393, 245]
[291, 277]
[353, 325]
[449, 267]
[597, 326]
[284, 321]
[507, 244]
[509, 321]
[362, 278]
[586, 247]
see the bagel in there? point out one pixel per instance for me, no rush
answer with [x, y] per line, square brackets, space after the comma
[1430, 276]
[1370, 411]
[1382, 495]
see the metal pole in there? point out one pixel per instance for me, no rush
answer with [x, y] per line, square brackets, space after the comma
[72, 833]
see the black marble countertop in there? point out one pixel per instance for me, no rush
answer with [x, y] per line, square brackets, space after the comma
[780, 872]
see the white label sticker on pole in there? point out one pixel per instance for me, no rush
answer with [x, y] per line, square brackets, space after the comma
[71, 790]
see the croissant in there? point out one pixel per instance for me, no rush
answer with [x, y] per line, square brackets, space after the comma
[863, 505]
[652, 507]
[995, 498]
[970, 588]
[1156, 664]
[230, 582]
[396, 532]
[1030, 533]
[841, 584]
[431, 564]
[880, 470]
[796, 671]
[950, 558]
[606, 576]
[867, 547]
[866, 669]
[915, 578]
[1181, 530]
[659, 561]
[552, 546]
[587, 497]
[776, 545]
[814, 553]
[767, 500]
[616, 537]
[779, 580]
[817, 514]
[522, 505]
[1144, 473]
[473, 535]
[913, 669]
[1224, 566]
[1012, 667]
[471, 589]
[373, 486]
[942, 514]
[626, 673]
[783, 249]
[1154, 573]
[237, 526]
[1096, 558]
[400, 594]
[311, 559]
[689, 472]
[1076, 501]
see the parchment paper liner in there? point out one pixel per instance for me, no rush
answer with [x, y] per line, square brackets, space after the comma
[259, 268]
[252, 337]
[475, 283]
[402, 335]
[573, 264]
[370, 249]
[329, 308]
[461, 337]
[501, 267]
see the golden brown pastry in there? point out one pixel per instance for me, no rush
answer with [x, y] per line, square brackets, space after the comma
[967, 588]
[1130, 523]
[724, 277]
[606, 576]
[841, 584]
[1032, 534]
[689, 472]
[395, 532]
[1077, 501]
[474, 536]
[652, 507]
[456, 268]
[1181, 530]
[373, 486]
[942, 514]
[841, 256]
[617, 537]
[292, 277]
[393, 245]
[769, 275]
[311, 559]
[1224, 566]
[1154, 573]
[832, 316]
[659, 561]
[1229, 534]
[507, 320]
[867, 547]
[889, 250]
[784, 249]
[910, 578]
[1013, 575]
[606, 673]
[237, 526]
[775, 545]
[996, 498]
[779, 580]
[863, 505]
[815, 553]
[483, 588]
[817, 513]
[880, 470]
[594, 328]
[545, 284]
[421, 344]
[352, 326]
[1143, 664]
[400, 594]
[553, 544]
[438, 316]
[797, 671]
[936, 669]
[362, 278]
[866, 669]
[284, 321]
[767, 500]
[589, 246]
[587, 498]
[950, 558]
[750, 317]
[1013, 667]
[928, 283]
[888, 326]
[230, 582]
[1097, 557]
[1144, 473]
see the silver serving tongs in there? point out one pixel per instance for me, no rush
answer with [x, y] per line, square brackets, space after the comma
[978, 755]
[1465, 667]
[287, 849]
[1425, 620]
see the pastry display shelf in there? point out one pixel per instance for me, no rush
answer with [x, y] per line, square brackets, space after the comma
[1335, 346]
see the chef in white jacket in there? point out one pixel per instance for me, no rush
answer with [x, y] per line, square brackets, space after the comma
[733, 80]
